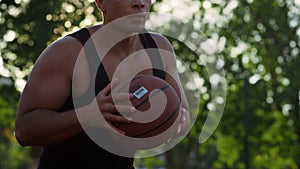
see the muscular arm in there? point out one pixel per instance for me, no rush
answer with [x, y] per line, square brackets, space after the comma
[49, 85]
[38, 121]
[172, 77]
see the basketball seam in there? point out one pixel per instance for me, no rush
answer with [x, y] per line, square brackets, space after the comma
[149, 131]
[142, 102]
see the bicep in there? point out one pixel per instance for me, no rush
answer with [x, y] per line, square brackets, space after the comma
[48, 85]
[44, 92]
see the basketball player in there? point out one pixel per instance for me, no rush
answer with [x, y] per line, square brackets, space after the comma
[46, 115]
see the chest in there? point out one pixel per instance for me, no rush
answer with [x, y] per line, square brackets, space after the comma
[112, 67]
[137, 63]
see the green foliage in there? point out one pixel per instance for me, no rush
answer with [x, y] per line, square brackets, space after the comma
[27, 27]
[267, 35]
[12, 156]
[257, 40]
[149, 163]
[261, 44]
[229, 150]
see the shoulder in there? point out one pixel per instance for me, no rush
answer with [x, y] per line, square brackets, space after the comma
[166, 50]
[67, 46]
[59, 57]
[162, 42]
[61, 48]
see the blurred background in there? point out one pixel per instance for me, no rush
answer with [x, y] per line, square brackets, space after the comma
[257, 42]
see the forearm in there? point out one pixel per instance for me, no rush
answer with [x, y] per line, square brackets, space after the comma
[44, 127]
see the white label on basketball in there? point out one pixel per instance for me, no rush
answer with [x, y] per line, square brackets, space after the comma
[140, 92]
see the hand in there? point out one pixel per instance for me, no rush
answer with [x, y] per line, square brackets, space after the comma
[183, 124]
[109, 109]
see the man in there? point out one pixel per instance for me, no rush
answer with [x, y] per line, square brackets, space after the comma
[46, 116]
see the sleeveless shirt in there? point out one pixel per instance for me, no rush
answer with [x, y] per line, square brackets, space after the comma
[79, 151]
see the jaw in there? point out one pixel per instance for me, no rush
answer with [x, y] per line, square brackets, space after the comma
[128, 24]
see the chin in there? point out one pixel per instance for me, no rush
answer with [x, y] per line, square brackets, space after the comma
[133, 28]
[129, 24]
[134, 23]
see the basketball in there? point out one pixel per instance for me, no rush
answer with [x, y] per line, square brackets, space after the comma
[157, 105]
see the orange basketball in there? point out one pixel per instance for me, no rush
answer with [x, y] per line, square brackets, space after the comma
[158, 107]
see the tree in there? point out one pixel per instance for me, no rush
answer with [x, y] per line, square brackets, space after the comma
[271, 44]
[256, 40]
[259, 42]
[27, 27]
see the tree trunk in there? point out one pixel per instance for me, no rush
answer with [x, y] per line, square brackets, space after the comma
[178, 157]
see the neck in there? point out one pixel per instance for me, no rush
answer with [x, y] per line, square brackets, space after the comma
[126, 47]
[116, 43]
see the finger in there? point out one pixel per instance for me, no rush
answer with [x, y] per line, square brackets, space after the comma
[107, 89]
[121, 97]
[114, 82]
[183, 111]
[176, 134]
[125, 108]
[116, 118]
[178, 130]
[169, 140]
[118, 130]
[184, 115]
[182, 120]
[118, 108]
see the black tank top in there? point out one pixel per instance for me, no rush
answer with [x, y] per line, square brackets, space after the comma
[80, 152]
